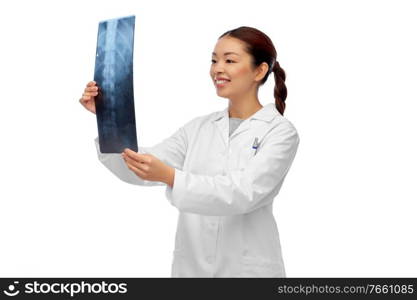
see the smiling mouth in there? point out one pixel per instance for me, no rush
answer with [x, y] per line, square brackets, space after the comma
[221, 82]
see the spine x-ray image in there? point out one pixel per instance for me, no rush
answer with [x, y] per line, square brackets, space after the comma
[114, 76]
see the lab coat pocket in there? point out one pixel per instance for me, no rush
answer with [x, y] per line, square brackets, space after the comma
[261, 267]
[245, 156]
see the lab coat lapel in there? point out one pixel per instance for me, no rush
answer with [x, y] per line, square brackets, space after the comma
[222, 124]
[266, 113]
[221, 120]
[245, 125]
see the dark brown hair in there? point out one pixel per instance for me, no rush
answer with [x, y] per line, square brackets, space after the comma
[261, 48]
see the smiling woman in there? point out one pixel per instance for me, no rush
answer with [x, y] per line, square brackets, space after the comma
[241, 54]
[222, 170]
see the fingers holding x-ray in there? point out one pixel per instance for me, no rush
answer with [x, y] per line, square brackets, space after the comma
[147, 166]
[136, 162]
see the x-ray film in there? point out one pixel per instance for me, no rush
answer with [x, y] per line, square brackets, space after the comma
[113, 73]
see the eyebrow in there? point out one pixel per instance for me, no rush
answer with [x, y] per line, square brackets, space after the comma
[226, 53]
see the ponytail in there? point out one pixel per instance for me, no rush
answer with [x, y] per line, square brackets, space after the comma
[280, 89]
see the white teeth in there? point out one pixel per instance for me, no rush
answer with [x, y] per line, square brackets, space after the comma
[221, 81]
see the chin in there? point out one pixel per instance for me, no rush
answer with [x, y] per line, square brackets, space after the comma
[222, 94]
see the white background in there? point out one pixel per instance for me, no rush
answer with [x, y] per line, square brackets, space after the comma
[348, 205]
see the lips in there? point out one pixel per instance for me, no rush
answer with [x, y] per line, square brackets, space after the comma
[221, 81]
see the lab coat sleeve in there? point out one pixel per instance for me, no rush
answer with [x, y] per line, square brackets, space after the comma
[170, 151]
[242, 190]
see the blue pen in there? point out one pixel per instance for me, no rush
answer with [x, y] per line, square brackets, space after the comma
[255, 145]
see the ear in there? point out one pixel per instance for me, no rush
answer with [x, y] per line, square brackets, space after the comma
[261, 71]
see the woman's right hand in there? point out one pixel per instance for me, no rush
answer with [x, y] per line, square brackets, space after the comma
[87, 100]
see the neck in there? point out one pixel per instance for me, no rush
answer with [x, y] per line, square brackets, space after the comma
[244, 107]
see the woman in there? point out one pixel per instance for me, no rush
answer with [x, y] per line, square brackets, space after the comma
[223, 170]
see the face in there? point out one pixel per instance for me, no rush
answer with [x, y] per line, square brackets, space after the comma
[233, 64]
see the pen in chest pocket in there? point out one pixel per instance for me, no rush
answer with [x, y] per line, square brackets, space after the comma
[255, 145]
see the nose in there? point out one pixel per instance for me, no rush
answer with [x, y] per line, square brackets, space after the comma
[218, 68]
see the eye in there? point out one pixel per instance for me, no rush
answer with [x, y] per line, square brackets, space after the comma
[227, 60]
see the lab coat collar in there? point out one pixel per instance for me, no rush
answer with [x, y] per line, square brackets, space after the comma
[266, 113]
[221, 119]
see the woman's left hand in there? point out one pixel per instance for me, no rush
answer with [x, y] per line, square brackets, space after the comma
[148, 167]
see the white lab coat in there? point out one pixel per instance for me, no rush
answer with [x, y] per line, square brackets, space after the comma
[224, 192]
